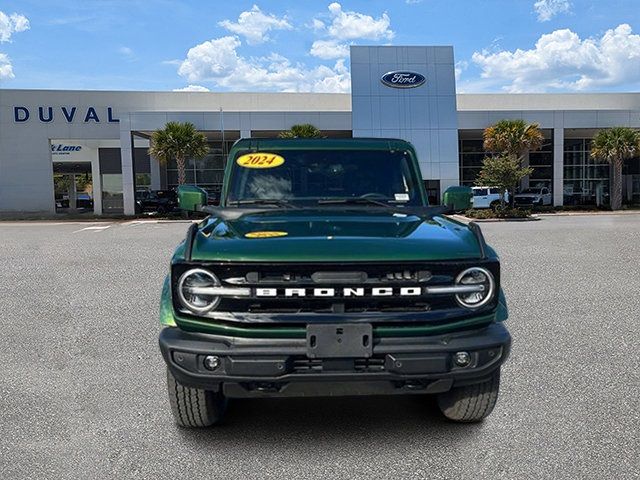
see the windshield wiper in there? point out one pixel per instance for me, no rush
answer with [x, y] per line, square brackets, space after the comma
[279, 202]
[354, 201]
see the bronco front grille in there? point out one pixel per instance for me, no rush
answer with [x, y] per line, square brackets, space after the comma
[308, 288]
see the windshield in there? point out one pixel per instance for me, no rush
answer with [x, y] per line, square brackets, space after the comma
[309, 177]
[531, 190]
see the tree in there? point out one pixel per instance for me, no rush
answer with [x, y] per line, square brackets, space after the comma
[304, 130]
[615, 145]
[512, 139]
[178, 141]
[503, 172]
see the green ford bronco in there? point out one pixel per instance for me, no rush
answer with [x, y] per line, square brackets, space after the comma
[325, 272]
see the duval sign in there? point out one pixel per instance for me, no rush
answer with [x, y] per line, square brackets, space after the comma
[69, 114]
[403, 79]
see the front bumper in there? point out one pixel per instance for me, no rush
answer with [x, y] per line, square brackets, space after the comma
[268, 367]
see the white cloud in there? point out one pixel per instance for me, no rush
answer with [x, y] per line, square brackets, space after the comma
[218, 61]
[332, 80]
[460, 67]
[317, 25]
[329, 49]
[254, 25]
[192, 88]
[6, 70]
[127, 53]
[563, 61]
[354, 25]
[211, 59]
[547, 9]
[10, 24]
[347, 26]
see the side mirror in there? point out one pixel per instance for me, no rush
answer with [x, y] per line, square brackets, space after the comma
[191, 198]
[458, 198]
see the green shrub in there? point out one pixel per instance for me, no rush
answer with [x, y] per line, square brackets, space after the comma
[506, 212]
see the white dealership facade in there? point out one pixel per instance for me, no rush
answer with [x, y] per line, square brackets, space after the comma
[104, 135]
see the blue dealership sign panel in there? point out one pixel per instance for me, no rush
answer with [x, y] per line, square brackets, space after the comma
[410, 93]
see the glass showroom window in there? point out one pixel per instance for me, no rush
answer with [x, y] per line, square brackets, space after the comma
[586, 181]
[631, 181]
[542, 163]
[143, 181]
[206, 172]
[635, 189]
[112, 194]
[471, 156]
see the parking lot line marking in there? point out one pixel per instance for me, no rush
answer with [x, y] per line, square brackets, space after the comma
[95, 229]
[135, 223]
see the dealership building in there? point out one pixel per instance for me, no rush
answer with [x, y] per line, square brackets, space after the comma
[62, 150]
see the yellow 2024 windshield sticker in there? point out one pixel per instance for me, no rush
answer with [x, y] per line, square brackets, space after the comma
[266, 234]
[260, 160]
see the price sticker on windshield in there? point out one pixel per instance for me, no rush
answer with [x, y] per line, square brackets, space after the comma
[260, 160]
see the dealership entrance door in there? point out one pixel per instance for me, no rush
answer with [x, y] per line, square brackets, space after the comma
[73, 187]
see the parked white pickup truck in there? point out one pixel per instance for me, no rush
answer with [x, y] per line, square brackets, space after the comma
[537, 196]
[487, 197]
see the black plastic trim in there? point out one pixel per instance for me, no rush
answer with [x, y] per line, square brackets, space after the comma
[188, 242]
[268, 351]
[475, 228]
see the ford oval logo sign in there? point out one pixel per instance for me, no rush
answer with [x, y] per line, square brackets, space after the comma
[402, 79]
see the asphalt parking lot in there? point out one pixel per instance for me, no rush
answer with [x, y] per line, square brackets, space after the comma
[82, 388]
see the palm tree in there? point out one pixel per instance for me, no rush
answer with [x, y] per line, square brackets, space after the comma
[615, 145]
[513, 139]
[178, 141]
[304, 130]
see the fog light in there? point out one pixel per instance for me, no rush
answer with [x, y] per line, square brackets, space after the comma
[462, 359]
[211, 362]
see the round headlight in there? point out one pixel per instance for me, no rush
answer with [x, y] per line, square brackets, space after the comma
[475, 277]
[194, 290]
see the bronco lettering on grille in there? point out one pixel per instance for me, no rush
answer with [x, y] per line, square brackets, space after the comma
[339, 292]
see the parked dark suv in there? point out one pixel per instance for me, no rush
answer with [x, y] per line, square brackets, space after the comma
[161, 201]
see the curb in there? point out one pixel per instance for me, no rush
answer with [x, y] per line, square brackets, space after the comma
[463, 219]
[570, 214]
[489, 220]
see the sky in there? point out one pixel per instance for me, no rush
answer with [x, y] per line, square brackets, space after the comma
[509, 46]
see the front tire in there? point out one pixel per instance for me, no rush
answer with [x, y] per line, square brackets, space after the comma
[470, 403]
[194, 407]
